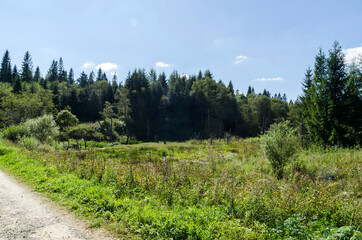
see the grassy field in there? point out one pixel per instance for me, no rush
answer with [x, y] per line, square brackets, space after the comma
[195, 190]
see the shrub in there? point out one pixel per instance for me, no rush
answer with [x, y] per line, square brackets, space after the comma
[279, 145]
[66, 119]
[29, 143]
[42, 128]
[15, 132]
[86, 131]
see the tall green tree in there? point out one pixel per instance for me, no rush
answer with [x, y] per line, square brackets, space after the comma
[70, 79]
[327, 100]
[52, 74]
[5, 68]
[27, 68]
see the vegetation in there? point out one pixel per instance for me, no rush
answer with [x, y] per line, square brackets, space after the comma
[279, 144]
[332, 113]
[90, 158]
[195, 190]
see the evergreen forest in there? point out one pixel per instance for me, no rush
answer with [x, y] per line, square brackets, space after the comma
[151, 106]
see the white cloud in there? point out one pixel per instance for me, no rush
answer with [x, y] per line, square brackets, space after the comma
[107, 66]
[185, 76]
[352, 54]
[88, 65]
[268, 79]
[162, 65]
[240, 59]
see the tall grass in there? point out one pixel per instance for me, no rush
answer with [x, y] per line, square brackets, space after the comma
[196, 190]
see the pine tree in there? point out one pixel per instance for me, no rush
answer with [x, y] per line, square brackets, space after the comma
[53, 72]
[17, 85]
[15, 73]
[114, 83]
[231, 88]
[162, 80]
[99, 75]
[5, 69]
[27, 68]
[37, 75]
[83, 80]
[104, 77]
[91, 78]
[62, 74]
[326, 102]
[71, 76]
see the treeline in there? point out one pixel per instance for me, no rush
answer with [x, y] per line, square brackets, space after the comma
[155, 107]
[332, 99]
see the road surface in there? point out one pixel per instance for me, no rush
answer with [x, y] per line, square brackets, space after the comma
[26, 215]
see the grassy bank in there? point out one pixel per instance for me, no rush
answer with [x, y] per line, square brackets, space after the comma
[195, 190]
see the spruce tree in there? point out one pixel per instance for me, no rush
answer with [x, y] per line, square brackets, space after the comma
[53, 72]
[5, 69]
[71, 76]
[91, 78]
[62, 74]
[37, 75]
[99, 75]
[83, 80]
[327, 101]
[27, 68]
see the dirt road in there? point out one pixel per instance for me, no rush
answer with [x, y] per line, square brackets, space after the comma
[25, 215]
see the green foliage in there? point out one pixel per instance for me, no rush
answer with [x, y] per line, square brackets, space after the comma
[17, 108]
[15, 132]
[331, 102]
[43, 128]
[194, 190]
[86, 131]
[280, 144]
[66, 119]
[29, 143]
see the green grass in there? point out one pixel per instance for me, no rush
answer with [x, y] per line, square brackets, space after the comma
[194, 190]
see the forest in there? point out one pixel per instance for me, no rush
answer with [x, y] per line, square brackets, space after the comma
[149, 106]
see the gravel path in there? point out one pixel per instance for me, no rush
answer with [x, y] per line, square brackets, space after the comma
[26, 215]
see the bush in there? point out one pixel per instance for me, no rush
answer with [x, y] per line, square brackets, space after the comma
[279, 145]
[86, 131]
[14, 133]
[66, 119]
[29, 143]
[42, 128]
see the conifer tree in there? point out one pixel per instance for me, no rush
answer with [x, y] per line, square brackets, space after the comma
[15, 73]
[71, 76]
[37, 75]
[327, 101]
[5, 68]
[53, 72]
[62, 74]
[83, 80]
[27, 68]
[99, 75]
[91, 78]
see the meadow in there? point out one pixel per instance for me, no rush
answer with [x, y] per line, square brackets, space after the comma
[198, 189]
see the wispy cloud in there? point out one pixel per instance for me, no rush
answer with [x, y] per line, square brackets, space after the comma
[240, 59]
[88, 65]
[352, 54]
[162, 64]
[107, 66]
[268, 79]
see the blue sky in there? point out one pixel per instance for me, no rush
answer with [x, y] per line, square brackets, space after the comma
[266, 44]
